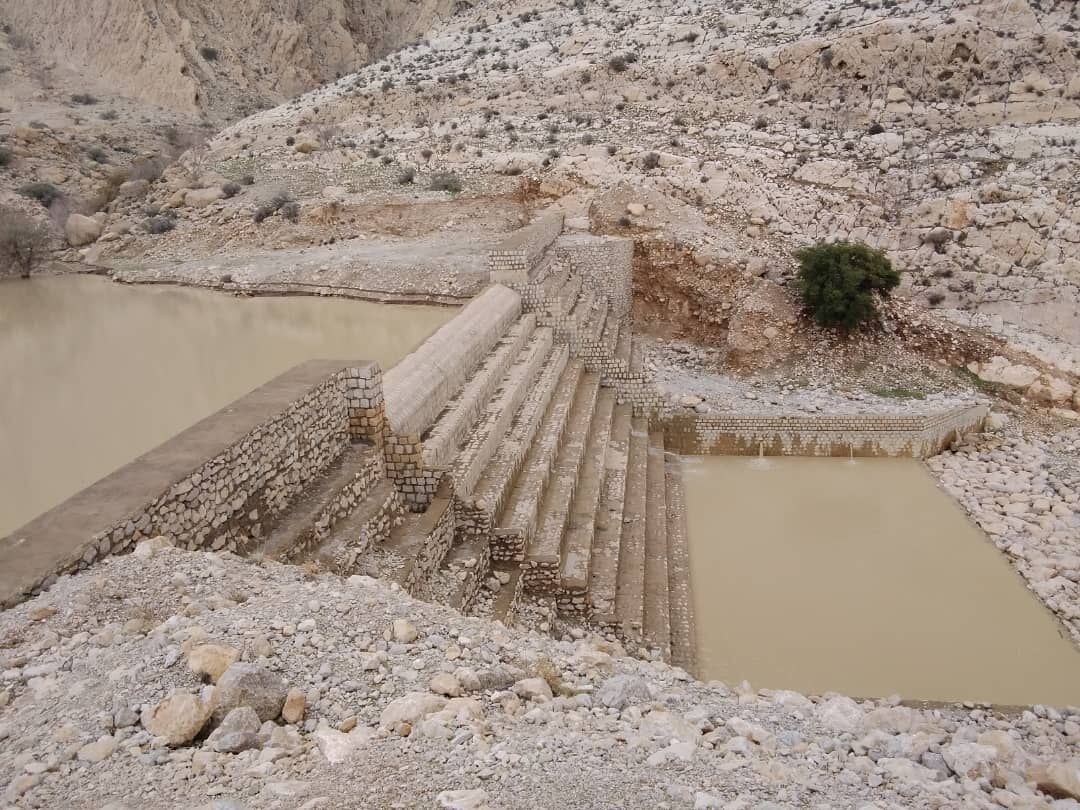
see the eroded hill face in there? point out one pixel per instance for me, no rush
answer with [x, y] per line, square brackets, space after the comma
[946, 133]
[226, 59]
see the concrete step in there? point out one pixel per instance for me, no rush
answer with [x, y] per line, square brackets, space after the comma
[657, 627]
[476, 513]
[509, 596]
[609, 521]
[490, 427]
[683, 640]
[517, 521]
[543, 549]
[416, 548]
[610, 337]
[584, 316]
[568, 294]
[553, 282]
[630, 589]
[465, 568]
[315, 511]
[576, 557]
[636, 356]
[369, 524]
[444, 438]
[623, 347]
[596, 325]
[583, 307]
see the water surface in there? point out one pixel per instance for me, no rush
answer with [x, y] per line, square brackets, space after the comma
[861, 577]
[93, 374]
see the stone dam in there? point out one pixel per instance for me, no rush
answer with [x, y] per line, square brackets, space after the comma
[522, 443]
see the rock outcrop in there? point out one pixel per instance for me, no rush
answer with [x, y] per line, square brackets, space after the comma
[203, 56]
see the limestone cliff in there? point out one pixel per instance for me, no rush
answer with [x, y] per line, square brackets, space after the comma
[201, 56]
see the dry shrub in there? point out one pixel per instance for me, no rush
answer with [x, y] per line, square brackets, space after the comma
[24, 243]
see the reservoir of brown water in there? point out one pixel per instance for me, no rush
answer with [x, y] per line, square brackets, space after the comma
[861, 577]
[93, 374]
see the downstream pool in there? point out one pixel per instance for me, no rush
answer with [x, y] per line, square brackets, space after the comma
[861, 577]
[96, 373]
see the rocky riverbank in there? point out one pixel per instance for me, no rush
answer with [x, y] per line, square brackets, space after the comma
[346, 693]
[1024, 492]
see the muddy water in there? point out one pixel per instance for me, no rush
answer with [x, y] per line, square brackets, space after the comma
[861, 577]
[93, 373]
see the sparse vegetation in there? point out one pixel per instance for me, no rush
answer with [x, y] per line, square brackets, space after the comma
[208, 53]
[291, 211]
[650, 161]
[839, 281]
[84, 98]
[159, 224]
[273, 205]
[6, 157]
[230, 190]
[44, 193]
[617, 64]
[24, 243]
[445, 181]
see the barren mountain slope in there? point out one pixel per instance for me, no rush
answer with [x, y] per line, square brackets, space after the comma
[945, 133]
[225, 58]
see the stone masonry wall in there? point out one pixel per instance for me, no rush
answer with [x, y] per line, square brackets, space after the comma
[819, 435]
[514, 259]
[418, 388]
[435, 532]
[221, 484]
[604, 264]
[372, 471]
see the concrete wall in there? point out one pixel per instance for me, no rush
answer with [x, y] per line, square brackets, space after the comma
[819, 435]
[220, 484]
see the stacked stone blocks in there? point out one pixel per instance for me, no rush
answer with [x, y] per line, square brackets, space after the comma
[513, 260]
[417, 389]
[883, 435]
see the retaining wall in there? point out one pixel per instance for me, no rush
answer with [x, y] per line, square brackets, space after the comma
[220, 484]
[820, 435]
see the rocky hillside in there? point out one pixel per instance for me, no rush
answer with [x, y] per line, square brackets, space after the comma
[946, 133]
[228, 59]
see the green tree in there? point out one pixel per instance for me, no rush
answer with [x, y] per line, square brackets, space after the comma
[838, 282]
